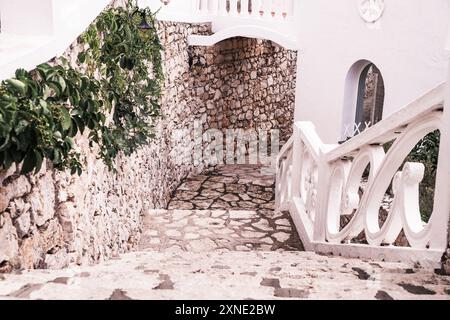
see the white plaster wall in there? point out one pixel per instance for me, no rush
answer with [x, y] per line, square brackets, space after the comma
[25, 17]
[407, 45]
[34, 32]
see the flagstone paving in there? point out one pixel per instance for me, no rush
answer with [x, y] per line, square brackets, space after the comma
[228, 275]
[221, 238]
[231, 208]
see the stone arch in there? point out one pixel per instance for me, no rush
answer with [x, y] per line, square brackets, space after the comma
[256, 32]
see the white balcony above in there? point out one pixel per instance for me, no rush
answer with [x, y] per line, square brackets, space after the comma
[36, 31]
[263, 19]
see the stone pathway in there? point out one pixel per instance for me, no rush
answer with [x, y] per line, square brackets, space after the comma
[231, 208]
[228, 275]
[221, 239]
[236, 187]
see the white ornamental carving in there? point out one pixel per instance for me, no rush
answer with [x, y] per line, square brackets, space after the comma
[371, 10]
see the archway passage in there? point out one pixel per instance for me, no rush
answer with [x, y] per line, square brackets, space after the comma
[248, 31]
[369, 106]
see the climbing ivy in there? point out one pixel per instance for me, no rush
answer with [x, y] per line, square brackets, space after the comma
[128, 61]
[116, 96]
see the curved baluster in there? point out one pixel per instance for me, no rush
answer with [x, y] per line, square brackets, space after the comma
[223, 7]
[244, 8]
[234, 7]
[415, 229]
[264, 8]
[344, 196]
[284, 186]
[196, 6]
[204, 7]
[277, 8]
[270, 8]
[255, 6]
[288, 8]
[395, 157]
[284, 176]
[214, 7]
[308, 183]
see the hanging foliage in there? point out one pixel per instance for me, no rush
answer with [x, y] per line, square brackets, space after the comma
[116, 97]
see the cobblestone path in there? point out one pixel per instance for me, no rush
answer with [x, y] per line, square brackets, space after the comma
[221, 239]
[231, 208]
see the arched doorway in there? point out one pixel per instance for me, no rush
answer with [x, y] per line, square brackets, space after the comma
[363, 99]
[370, 101]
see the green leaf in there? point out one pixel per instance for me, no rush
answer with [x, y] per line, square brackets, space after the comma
[46, 91]
[56, 156]
[66, 122]
[84, 83]
[62, 83]
[80, 124]
[17, 86]
[5, 143]
[22, 73]
[56, 87]
[39, 160]
[21, 126]
[29, 162]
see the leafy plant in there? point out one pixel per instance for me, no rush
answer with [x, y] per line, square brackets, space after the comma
[40, 114]
[427, 152]
[43, 110]
[128, 61]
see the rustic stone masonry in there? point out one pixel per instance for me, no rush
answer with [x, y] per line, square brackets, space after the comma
[53, 219]
[250, 83]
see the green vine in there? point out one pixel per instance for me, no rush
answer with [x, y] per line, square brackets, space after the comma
[130, 67]
[116, 97]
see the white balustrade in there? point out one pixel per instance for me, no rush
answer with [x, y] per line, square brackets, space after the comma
[214, 7]
[204, 8]
[255, 8]
[223, 8]
[195, 6]
[267, 9]
[233, 8]
[284, 178]
[320, 184]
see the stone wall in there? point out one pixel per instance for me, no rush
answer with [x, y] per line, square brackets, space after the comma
[446, 256]
[53, 219]
[250, 83]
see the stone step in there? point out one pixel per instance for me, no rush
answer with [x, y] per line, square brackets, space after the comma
[228, 275]
[211, 230]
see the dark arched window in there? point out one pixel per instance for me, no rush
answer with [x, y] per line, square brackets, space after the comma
[369, 107]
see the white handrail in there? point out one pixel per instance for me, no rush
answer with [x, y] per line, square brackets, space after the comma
[384, 131]
[256, 9]
[319, 184]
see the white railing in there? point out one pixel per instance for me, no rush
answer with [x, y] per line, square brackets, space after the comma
[209, 10]
[322, 184]
[273, 20]
[258, 9]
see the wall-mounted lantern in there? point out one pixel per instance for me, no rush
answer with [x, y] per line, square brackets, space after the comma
[143, 24]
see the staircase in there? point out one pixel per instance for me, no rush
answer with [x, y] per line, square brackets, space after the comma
[319, 184]
[221, 239]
